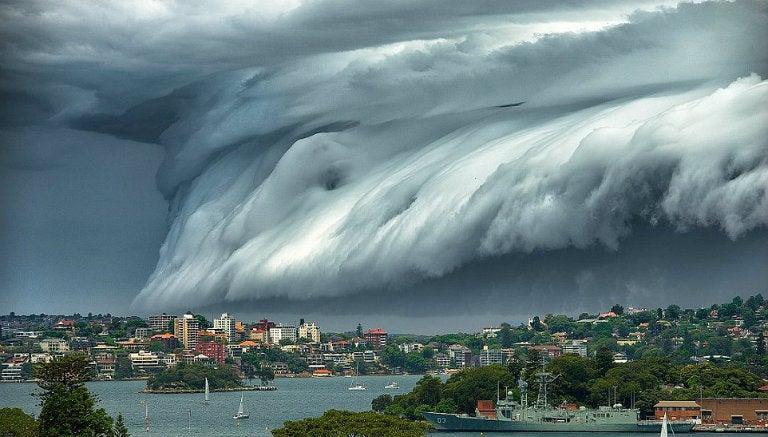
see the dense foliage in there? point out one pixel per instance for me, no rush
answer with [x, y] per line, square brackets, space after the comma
[336, 423]
[16, 423]
[192, 377]
[584, 381]
[68, 409]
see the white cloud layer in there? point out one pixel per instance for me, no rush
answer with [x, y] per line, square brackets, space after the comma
[318, 149]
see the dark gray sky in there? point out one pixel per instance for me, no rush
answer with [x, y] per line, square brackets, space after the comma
[355, 162]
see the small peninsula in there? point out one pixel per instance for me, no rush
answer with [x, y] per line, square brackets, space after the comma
[190, 378]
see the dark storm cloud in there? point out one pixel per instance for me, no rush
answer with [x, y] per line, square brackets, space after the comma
[318, 150]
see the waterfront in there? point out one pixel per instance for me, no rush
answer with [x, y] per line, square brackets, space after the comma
[185, 414]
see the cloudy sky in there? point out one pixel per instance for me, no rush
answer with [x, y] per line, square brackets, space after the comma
[421, 166]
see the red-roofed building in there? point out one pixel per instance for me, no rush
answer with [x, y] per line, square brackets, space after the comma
[168, 340]
[548, 351]
[377, 338]
[65, 324]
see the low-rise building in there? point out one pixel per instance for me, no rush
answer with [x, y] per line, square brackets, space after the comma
[576, 347]
[54, 345]
[144, 361]
[678, 410]
[748, 411]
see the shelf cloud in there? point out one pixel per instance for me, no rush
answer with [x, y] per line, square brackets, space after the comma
[318, 153]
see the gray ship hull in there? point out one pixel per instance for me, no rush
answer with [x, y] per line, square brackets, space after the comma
[453, 422]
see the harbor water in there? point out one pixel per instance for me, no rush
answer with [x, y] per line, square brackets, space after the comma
[189, 415]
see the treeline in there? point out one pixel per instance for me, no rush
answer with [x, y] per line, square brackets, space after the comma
[184, 377]
[584, 381]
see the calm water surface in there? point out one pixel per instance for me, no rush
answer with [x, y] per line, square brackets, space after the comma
[186, 414]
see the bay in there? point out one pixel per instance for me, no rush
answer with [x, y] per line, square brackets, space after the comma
[188, 415]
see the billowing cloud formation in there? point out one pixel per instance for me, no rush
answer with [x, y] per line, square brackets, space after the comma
[316, 150]
[383, 166]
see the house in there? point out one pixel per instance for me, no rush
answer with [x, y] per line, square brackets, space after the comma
[548, 351]
[64, 325]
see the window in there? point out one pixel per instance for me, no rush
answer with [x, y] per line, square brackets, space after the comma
[762, 415]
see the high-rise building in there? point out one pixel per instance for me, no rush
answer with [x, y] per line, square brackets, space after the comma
[159, 323]
[377, 338]
[225, 324]
[185, 329]
[281, 332]
[310, 331]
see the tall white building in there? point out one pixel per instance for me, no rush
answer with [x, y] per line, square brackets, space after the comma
[281, 332]
[225, 324]
[185, 330]
[310, 331]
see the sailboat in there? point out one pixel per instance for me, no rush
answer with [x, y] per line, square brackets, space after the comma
[207, 391]
[241, 414]
[354, 385]
[664, 426]
[146, 415]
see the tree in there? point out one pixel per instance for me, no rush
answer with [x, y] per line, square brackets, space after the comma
[392, 356]
[347, 423]
[67, 406]
[202, 321]
[266, 374]
[673, 312]
[380, 403]
[123, 367]
[120, 429]
[603, 360]
[467, 386]
[617, 309]
[505, 337]
[16, 423]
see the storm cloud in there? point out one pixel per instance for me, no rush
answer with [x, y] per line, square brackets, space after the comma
[319, 153]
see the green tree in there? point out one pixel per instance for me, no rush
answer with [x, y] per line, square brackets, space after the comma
[380, 403]
[467, 386]
[673, 312]
[392, 356]
[603, 361]
[202, 321]
[120, 429]
[266, 374]
[617, 309]
[123, 367]
[16, 423]
[505, 337]
[67, 406]
[346, 423]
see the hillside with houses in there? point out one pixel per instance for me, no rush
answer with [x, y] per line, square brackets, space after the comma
[730, 334]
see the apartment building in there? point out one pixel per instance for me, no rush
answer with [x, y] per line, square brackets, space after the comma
[225, 324]
[185, 329]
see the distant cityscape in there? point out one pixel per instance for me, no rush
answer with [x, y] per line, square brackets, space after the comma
[133, 347]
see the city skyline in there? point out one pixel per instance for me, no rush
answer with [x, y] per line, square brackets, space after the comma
[422, 165]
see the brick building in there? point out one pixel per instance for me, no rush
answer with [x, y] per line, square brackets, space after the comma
[748, 411]
[212, 349]
[377, 338]
[677, 410]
